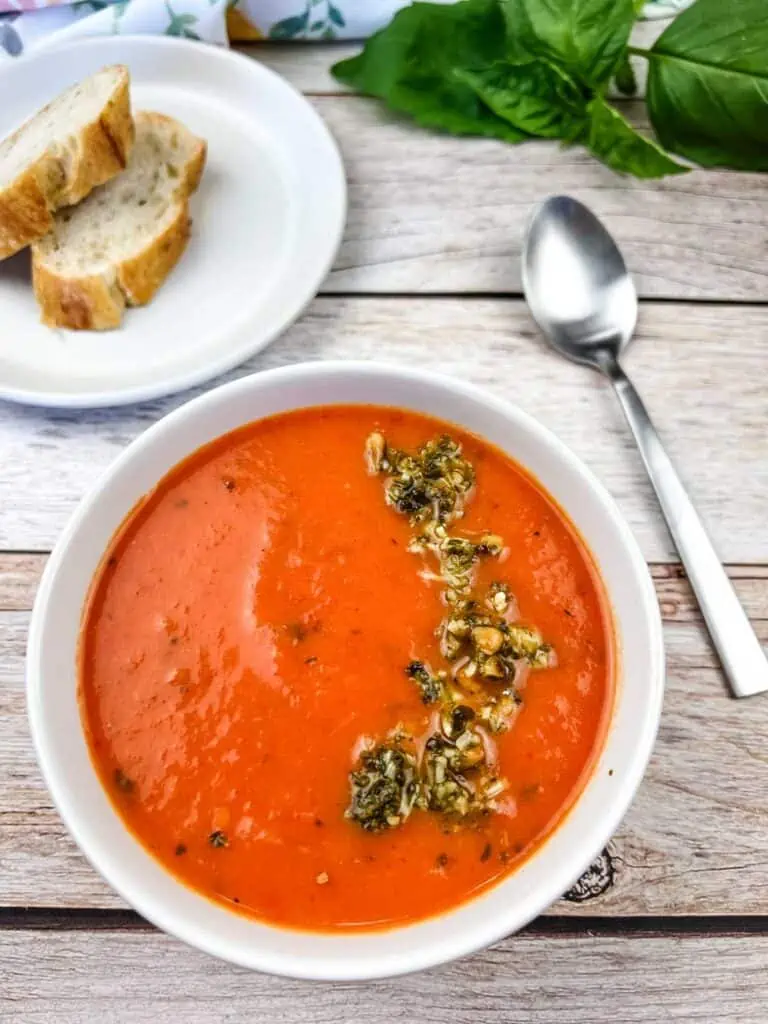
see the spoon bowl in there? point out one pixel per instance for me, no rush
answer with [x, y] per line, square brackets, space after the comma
[577, 283]
[583, 299]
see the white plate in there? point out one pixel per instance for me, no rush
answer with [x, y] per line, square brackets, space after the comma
[267, 221]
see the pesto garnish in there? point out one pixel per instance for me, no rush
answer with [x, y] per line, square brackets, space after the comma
[491, 648]
[432, 687]
[428, 485]
[431, 487]
[384, 788]
[500, 709]
[446, 789]
[527, 644]
[123, 783]
[456, 778]
[297, 631]
[456, 557]
[480, 639]
[452, 776]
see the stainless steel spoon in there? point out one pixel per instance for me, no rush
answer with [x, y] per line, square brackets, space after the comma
[583, 299]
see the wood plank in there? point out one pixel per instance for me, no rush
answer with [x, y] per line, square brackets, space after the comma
[677, 601]
[433, 213]
[695, 841]
[700, 367]
[19, 578]
[149, 978]
[305, 65]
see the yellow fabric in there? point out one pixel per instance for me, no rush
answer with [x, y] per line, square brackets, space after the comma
[240, 28]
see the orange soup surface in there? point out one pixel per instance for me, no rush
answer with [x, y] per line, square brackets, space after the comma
[247, 634]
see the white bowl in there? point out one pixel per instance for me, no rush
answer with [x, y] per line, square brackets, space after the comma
[157, 895]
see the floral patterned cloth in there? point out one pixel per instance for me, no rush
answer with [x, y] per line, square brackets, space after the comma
[27, 24]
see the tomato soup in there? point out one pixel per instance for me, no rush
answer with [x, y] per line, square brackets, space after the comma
[264, 618]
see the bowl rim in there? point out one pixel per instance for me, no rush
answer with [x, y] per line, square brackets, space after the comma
[506, 919]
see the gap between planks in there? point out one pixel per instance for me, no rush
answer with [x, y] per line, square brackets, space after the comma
[469, 297]
[48, 919]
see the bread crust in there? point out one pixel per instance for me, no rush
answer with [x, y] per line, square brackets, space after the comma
[93, 303]
[96, 302]
[140, 277]
[63, 175]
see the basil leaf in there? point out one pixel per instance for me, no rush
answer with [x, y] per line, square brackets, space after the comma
[612, 139]
[587, 37]
[708, 84]
[625, 79]
[537, 98]
[413, 65]
[513, 70]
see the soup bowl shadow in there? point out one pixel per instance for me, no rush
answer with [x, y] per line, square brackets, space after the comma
[617, 770]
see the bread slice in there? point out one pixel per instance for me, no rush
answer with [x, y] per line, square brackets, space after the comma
[118, 246]
[80, 140]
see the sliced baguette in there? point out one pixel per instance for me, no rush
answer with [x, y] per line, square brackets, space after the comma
[80, 140]
[118, 246]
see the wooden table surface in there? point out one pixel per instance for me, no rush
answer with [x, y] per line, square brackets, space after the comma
[672, 923]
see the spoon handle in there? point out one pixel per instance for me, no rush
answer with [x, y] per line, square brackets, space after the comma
[742, 657]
